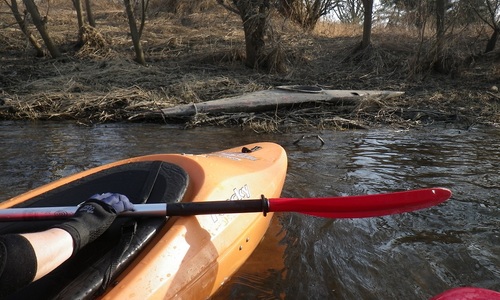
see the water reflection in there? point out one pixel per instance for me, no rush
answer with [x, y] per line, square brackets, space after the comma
[407, 256]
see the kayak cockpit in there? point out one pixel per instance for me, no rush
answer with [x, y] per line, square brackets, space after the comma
[93, 269]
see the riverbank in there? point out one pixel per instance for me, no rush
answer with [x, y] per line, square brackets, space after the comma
[198, 57]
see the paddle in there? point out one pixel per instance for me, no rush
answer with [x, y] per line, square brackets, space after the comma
[468, 293]
[328, 207]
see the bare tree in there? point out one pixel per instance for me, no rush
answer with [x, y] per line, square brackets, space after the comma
[24, 27]
[367, 24]
[78, 5]
[40, 24]
[134, 32]
[306, 13]
[407, 13]
[440, 12]
[254, 14]
[489, 12]
[348, 11]
[90, 15]
[80, 19]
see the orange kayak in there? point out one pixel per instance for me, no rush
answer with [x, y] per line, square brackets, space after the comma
[160, 257]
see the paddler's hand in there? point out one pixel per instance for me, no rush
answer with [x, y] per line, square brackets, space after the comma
[93, 218]
[118, 202]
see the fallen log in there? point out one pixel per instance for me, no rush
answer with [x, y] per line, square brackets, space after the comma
[281, 97]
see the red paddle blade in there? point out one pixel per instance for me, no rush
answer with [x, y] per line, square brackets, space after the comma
[362, 206]
[468, 293]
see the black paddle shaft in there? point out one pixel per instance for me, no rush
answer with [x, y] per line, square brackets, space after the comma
[217, 207]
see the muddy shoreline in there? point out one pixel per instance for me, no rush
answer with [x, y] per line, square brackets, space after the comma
[202, 63]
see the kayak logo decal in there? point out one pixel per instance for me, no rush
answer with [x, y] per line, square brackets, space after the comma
[240, 194]
[234, 155]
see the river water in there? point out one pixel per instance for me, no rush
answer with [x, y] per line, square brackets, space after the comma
[408, 256]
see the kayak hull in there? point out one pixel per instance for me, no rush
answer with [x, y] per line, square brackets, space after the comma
[191, 257]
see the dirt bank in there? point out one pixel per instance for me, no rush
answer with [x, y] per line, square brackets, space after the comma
[198, 57]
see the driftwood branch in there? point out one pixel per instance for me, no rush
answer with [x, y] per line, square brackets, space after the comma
[271, 100]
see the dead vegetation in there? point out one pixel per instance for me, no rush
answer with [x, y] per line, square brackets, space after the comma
[199, 56]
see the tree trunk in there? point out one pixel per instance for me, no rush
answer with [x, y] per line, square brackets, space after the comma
[42, 29]
[440, 10]
[24, 28]
[254, 16]
[79, 17]
[90, 15]
[492, 41]
[367, 24]
[136, 35]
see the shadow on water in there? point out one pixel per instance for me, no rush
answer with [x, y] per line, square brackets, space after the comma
[408, 256]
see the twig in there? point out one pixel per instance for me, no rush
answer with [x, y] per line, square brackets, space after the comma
[310, 136]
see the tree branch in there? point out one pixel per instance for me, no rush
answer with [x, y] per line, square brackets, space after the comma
[228, 7]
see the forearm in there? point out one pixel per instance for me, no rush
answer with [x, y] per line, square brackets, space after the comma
[25, 258]
[52, 247]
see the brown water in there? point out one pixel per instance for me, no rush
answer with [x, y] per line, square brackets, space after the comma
[408, 256]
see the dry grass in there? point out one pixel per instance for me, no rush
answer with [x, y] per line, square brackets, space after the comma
[124, 104]
[198, 56]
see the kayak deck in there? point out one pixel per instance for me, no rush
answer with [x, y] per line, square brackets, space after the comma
[186, 257]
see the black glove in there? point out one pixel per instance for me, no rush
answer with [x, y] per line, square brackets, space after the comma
[94, 217]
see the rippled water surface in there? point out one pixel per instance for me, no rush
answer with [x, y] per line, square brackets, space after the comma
[407, 256]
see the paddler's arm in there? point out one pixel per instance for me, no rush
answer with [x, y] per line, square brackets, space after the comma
[25, 258]
[52, 247]
[29, 256]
